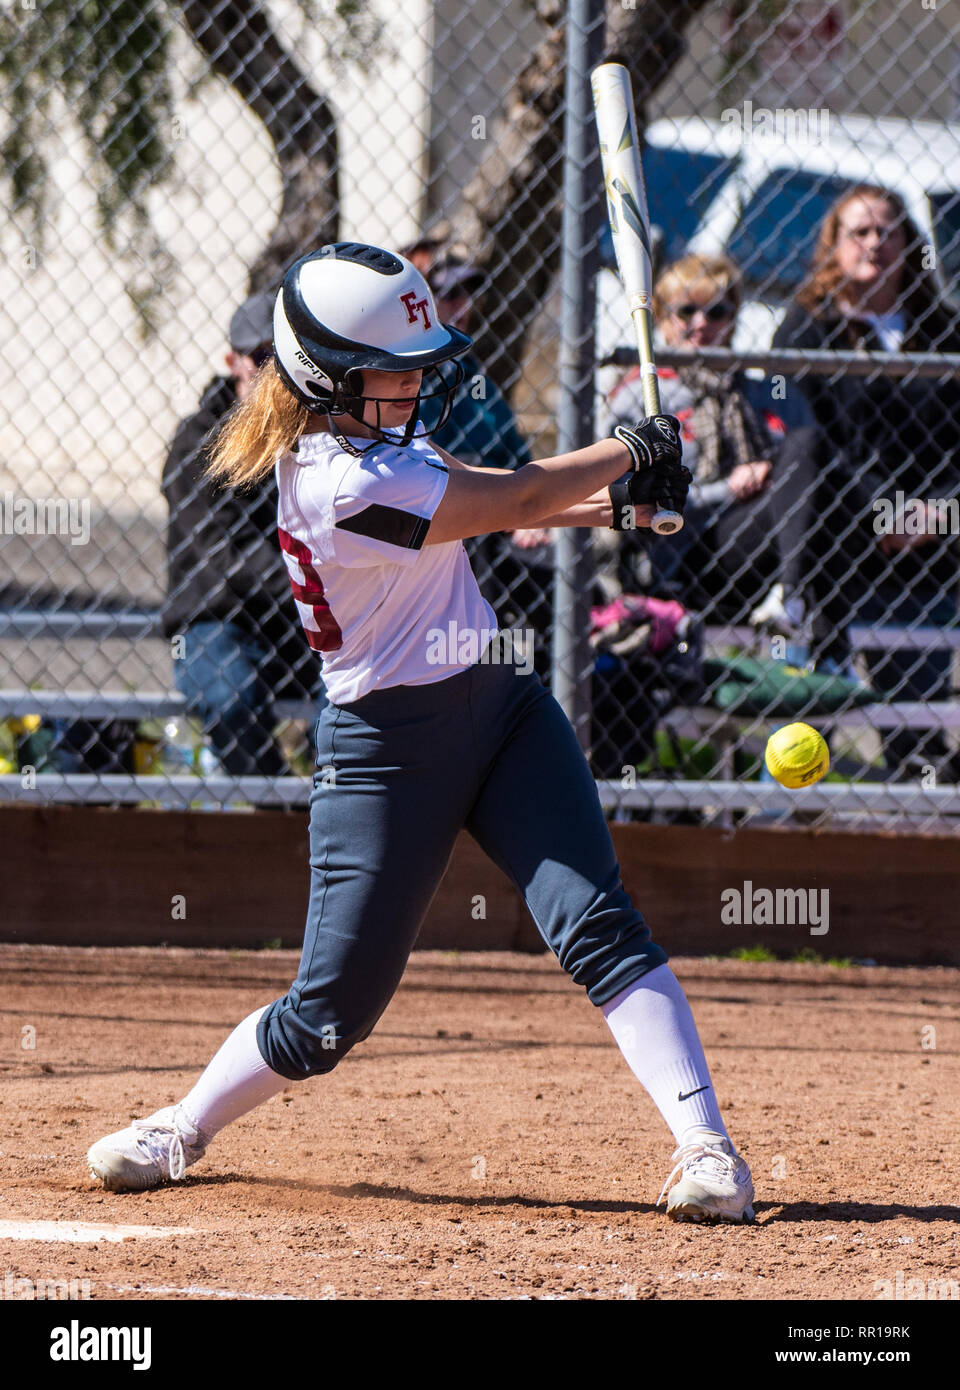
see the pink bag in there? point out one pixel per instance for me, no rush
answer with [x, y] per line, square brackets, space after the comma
[611, 624]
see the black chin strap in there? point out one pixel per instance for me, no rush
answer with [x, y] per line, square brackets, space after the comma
[383, 436]
[330, 415]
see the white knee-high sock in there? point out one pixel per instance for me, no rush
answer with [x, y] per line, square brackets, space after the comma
[235, 1081]
[655, 1031]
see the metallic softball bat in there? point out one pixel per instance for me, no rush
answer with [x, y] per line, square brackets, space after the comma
[630, 225]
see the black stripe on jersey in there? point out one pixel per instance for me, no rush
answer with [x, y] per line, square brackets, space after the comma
[388, 524]
[440, 467]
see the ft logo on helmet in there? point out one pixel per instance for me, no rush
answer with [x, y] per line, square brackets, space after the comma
[415, 306]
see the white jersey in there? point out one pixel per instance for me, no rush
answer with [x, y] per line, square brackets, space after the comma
[373, 599]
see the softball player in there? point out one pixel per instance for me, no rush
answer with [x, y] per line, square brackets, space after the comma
[428, 729]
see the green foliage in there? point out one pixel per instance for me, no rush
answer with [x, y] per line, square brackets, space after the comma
[358, 29]
[8, 748]
[761, 954]
[808, 956]
[688, 758]
[805, 956]
[108, 62]
[109, 65]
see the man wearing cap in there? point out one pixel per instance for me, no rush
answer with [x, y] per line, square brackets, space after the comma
[481, 429]
[228, 594]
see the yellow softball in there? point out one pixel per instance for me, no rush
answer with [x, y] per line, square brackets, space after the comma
[797, 756]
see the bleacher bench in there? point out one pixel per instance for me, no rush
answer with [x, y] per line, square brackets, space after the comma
[136, 705]
[694, 721]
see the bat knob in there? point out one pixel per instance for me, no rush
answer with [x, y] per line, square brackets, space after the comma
[667, 523]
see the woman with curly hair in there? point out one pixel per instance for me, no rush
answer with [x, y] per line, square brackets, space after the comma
[871, 287]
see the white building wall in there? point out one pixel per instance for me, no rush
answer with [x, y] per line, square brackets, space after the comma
[86, 408]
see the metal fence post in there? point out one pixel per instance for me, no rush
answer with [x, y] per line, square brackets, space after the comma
[575, 424]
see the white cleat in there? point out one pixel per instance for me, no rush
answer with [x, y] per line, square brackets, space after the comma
[715, 1182]
[156, 1150]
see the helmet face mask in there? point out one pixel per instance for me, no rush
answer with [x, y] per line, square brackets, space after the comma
[438, 382]
[350, 307]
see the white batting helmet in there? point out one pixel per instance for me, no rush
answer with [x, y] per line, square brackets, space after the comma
[350, 306]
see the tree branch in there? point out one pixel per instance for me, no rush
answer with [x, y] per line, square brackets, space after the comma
[242, 46]
[510, 213]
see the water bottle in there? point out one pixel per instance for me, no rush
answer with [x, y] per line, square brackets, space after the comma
[180, 754]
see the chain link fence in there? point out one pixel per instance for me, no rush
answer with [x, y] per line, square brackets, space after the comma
[165, 162]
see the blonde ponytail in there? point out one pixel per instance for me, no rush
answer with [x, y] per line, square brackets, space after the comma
[266, 423]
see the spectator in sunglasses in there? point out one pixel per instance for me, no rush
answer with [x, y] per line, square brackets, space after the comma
[228, 593]
[742, 552]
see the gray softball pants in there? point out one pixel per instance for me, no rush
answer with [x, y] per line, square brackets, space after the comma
[401, 771]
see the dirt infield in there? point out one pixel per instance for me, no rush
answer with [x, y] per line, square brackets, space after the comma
[488, 1141]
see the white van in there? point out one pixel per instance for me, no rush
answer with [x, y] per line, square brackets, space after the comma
[759, 196]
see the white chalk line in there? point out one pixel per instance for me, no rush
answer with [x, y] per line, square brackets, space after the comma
[78, 1232]
[202, 1292]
